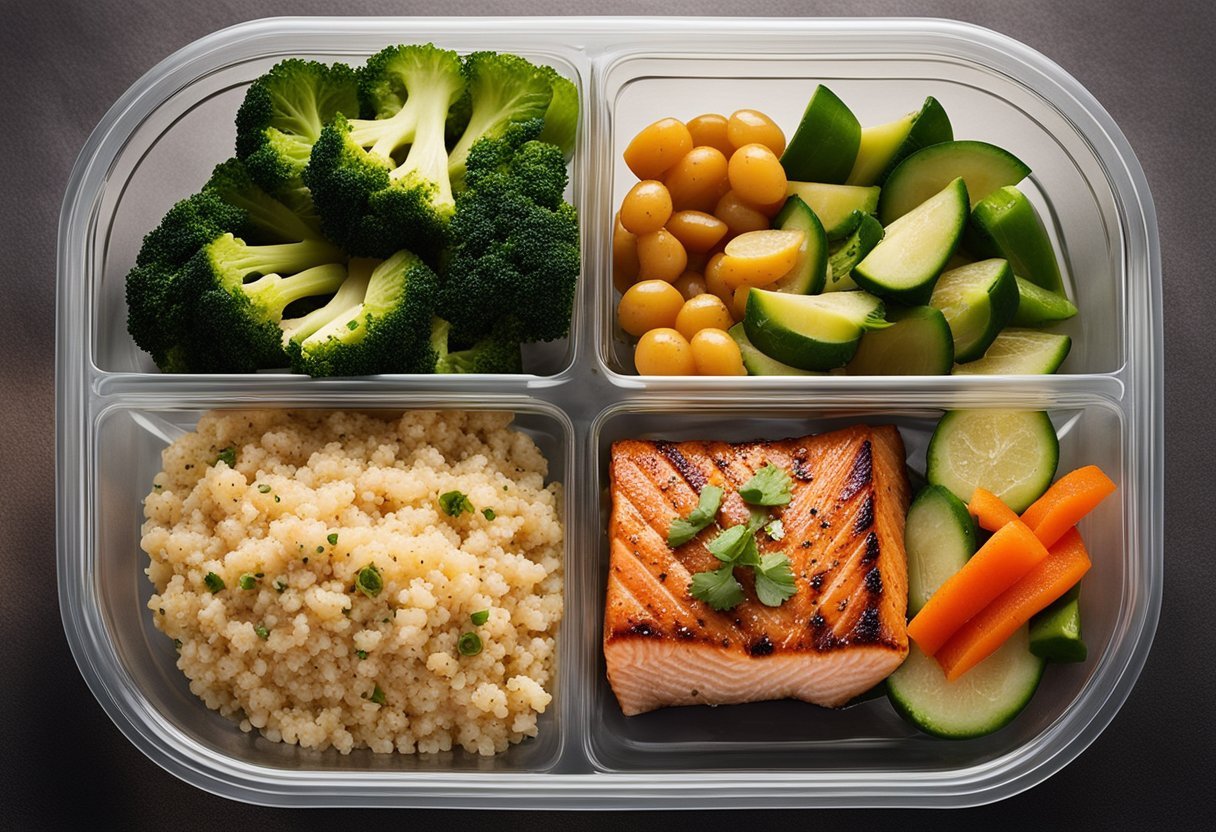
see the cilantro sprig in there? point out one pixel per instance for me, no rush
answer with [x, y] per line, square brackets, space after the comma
[684, 529]
[770, 486]
[737, 545]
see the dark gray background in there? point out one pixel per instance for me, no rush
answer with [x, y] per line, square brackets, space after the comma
[63, 763]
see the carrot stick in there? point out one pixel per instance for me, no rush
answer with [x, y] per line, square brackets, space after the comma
[979, 638]
[1072, 497]
[1007, 556]
[990, 510]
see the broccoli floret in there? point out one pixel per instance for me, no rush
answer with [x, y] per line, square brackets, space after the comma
[235, 295]
[154, 312]
[496, 353]
[373, 194]
[502, 89]
[286, 217]
[379, 322]
[561, 119]
[283, 114]
[514, 241]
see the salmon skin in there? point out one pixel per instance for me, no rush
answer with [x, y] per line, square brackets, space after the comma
[843, 630]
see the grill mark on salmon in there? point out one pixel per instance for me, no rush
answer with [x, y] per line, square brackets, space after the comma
[841, 632]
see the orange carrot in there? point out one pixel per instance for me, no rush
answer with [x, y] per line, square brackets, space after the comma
[1007, 556]
[979, 638]
[1071, 497]
[990, 510]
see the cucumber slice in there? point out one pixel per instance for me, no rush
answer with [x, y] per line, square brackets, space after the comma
[835, 205]
[824, 146]
[810, 271]
[978, 300]
[886, 145]
[1037, 306]
[1012, 453]
[985, 167]
[905, 265]
[984, 700]
[1005, 224]
[1019, 352]
[918, 343]
[851, 252]
[810, 332]
[939, 537]
[1055, 633]
[757, 363]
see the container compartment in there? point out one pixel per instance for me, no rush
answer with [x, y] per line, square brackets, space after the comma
[1069, 184]
[127, 456]
[171, 153]
[867, 736]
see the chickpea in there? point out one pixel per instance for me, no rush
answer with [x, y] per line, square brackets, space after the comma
[659, 146]
[664, 352]
[696, 230]
[648, 305]
[715, 281]
[661, 256]
[756, 175]
[690, 284]
[646, 207]
[738, 215]
[709, 130]
[715, 353]
[624, 257]
[705, 311]
[752, 126]
[698, 180]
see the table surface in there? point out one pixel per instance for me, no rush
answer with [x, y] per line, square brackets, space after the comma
[1149, 64]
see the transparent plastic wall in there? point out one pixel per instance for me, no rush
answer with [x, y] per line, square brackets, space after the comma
[116, 413]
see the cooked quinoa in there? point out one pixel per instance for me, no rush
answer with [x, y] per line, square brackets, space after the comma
[297, 641]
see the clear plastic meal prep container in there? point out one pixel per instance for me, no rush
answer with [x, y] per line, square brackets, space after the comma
[115, 413]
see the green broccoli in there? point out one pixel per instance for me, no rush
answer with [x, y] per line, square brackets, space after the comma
[502, 89]
[236, 294]
[375, 196]
[496, 353]
[514, 261]
[283, 113]
[378, 322]
[561, 119]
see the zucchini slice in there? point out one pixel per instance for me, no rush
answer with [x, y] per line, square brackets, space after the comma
[905, 265]
[918, 343]
[984, 167]
[851, 252]
[978, 300]
[984, 700]
[1020, 352]
[1037, 306]
[757, 363]
[810, 332]
[1012, 453]
[836, 205]
[825, 144]
[886, 145]
[810, 271]
[939, 537]
[1005, 224]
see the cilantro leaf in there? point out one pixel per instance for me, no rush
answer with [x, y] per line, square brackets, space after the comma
[684, 529]
[750, 556]
[718, 588]
[774, 580]
[769, 487]
[455, 503]
[729, 545]
[775, 530]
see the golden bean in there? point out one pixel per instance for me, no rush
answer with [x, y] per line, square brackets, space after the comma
[646, 207]
[661, 256]
[697, 231]
[709, 130]
[659, 146]
[648, 305]
[756, 175]
[664, 352]
[753, 126]
[698, 180]
[715, 353]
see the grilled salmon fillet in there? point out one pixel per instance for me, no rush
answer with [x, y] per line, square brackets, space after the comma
[842, 632]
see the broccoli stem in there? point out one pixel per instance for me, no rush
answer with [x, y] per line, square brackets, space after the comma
[239, 259]
[274, 292]
[383, 136]
[348, 297]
